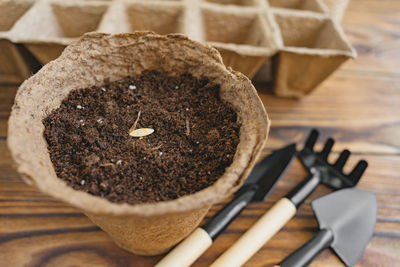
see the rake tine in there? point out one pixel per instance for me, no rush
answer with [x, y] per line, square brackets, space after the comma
[327, 148]
[358, 171]
[339, 164]
[311, 139]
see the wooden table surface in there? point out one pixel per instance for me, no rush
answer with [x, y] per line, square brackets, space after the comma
[359, 106]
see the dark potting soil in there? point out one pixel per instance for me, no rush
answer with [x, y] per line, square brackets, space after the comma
[195, 138]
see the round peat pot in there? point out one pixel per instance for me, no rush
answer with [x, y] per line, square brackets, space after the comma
[147, 228]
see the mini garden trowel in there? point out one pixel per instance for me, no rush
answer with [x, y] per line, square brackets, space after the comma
[257, 187]
[346, 220]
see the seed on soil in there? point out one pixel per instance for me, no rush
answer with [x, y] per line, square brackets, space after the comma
[141, 132]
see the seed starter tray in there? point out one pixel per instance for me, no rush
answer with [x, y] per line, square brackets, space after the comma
[307, 43]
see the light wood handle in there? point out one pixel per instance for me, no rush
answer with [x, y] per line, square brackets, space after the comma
[266, 227]
[188, 250]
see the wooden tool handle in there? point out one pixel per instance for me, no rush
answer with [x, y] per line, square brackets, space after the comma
[188, 250]
[257, 235]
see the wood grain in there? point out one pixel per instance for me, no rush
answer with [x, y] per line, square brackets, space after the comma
[37, 229]
[358, 106]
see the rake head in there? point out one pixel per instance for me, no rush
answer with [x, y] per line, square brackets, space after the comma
[331, 174]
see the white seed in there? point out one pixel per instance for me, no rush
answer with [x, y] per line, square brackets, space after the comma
[79, 107]
[80, 120]
[103, 89]
[197, 142]
[141, 132]
[187, 109]
[100, 120]
[208, 172]
[160, 153]
[132, 87]
[82, 182]
[144, 157]
[176, 87]
[119, 162]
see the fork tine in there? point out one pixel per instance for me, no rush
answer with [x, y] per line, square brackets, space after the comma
[339, 164]
[311, 139]
[327, 148]
[358, 171]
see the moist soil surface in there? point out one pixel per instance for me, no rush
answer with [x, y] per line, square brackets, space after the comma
[195, 137]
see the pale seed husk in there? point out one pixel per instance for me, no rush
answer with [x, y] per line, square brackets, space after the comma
[141, 132]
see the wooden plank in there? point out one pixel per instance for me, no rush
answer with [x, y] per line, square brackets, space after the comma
[373, 27]
[38, 229]
[357, 110]
[381, 7]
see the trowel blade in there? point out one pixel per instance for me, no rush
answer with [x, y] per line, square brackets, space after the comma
[351, 215]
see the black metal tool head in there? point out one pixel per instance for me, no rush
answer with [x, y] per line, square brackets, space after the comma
[331, 174]
[351, 216]
[267, 172]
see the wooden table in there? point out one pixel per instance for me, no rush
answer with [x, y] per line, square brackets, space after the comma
[359, 106]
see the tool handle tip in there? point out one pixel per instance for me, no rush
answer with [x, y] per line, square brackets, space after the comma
[188, 250]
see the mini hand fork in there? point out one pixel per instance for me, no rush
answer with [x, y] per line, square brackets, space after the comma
[320, 172]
